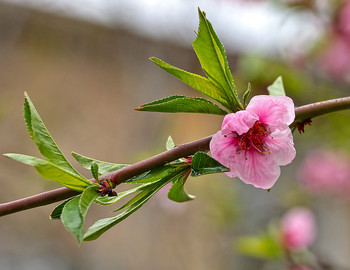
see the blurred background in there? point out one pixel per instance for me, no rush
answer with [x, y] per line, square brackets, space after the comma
[85, 66]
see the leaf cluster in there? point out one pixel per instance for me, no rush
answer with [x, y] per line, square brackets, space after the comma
[72, 212]
[217, 85]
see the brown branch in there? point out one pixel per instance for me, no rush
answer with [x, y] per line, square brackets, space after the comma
[302, 113]
[37, 200]
[118, 177]
[320, 108]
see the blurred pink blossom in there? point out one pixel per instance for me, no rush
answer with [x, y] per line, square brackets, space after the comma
[336, 58]
[254, 142]
[298, 229]
[326, 172]
[344, 19]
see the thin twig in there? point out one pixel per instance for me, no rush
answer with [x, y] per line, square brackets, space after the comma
[301, 113]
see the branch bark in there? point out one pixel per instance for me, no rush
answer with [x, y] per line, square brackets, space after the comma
[301, 113]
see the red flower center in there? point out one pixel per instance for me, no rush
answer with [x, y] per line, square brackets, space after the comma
[254, 138]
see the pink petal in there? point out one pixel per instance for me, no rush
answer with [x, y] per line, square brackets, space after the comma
[239, 122]
[273, 111]
[280, 145]
[224, 149]
[259, 170]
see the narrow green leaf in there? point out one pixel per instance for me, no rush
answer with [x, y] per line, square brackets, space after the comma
[52, 172]
[195, 81]
[137, 198]
[28, 117]
[103, 167]
[147, 191]
[103, 225]
[204, 164]
[154, 174]
[246, 94]
[212, 56]
[72, 218]
[170, 143]
[86, 199]
[106, 200]
[177, 191]
[43, 139]
[56, 213]
[147, 179]
[176, 104]
[277, 88]
[154, 178]
[94, 170]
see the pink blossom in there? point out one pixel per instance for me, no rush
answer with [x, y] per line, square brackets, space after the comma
[326, 172]
[298, 229]
[254, 142]
[336, 58]
[344, 19]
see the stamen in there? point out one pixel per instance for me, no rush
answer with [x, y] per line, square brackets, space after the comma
[254, 139]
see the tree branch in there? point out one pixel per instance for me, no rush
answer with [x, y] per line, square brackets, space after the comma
[320, 108]
[301, 114]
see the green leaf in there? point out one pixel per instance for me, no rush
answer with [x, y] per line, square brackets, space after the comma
[277, 88]
[94, 170]
[52, 172]
[170, 143]
[86, 199]
[177, 192]
[147, 179]
[204, 164]
[106, 200]
[74, 212]
[195, 81]
[103, 167]
[176, 104]
[103, 225]
[212, 56]
[135, 199]
[72, 218]
[56, 213]
[261, 246]
[246, 95]
[43, 139]
[154, 174]
[147, 191]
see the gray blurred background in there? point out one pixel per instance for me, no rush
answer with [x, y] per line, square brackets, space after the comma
[85, 76]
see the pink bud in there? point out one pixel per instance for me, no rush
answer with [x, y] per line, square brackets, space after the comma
[298, 229]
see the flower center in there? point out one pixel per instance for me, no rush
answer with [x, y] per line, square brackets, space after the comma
[254, 138]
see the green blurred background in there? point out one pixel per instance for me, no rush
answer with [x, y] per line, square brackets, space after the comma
[85, 79]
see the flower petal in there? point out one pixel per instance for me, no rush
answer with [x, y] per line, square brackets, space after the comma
[272, 110]
[224, 149]
[239, 122]
[280, 145]
[259, 170]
